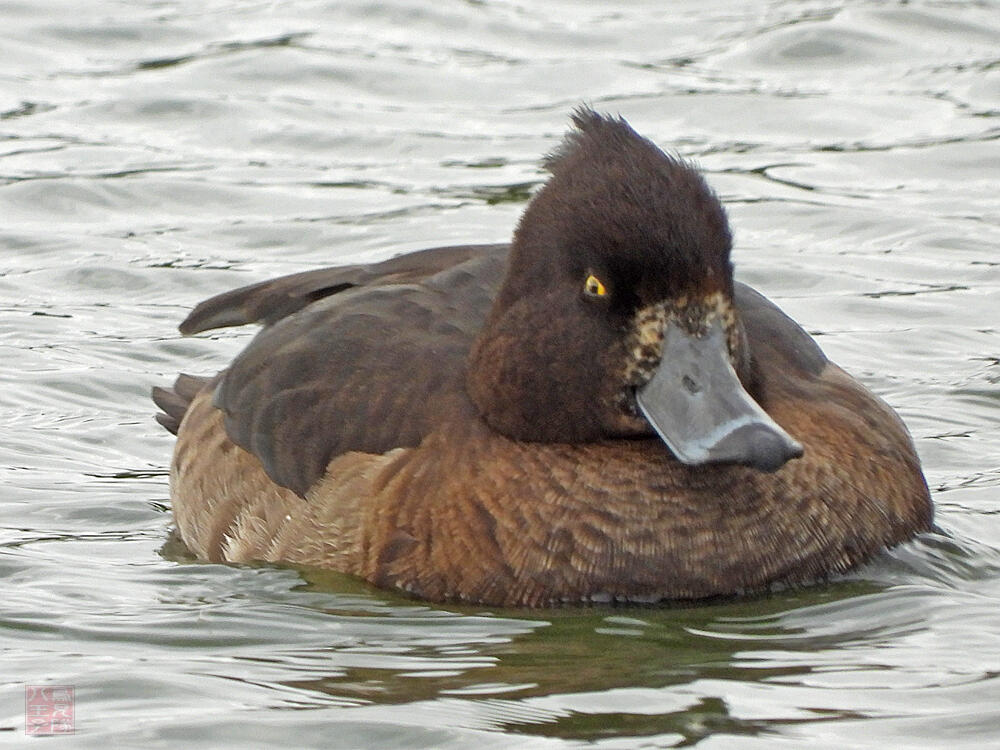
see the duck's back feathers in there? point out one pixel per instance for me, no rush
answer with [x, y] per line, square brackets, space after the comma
[372, 358]
[269, 301]
[774, 336]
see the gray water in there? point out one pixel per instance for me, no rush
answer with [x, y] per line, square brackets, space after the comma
[156, 152]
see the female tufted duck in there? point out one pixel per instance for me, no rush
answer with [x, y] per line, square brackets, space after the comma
[596, 412]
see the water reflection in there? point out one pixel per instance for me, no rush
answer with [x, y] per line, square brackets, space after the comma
[677, 674]
[574, 673]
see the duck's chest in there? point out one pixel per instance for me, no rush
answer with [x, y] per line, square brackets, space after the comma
[515, 524]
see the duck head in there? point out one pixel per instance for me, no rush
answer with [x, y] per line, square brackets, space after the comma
[615, 317]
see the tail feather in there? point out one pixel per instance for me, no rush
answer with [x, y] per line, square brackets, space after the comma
[175, 401]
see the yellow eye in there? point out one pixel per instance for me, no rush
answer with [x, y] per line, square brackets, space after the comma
[594, 287]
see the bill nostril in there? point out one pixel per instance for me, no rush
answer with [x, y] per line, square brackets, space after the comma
[690, 385]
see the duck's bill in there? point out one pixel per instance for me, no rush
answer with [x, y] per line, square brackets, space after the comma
[698, 406]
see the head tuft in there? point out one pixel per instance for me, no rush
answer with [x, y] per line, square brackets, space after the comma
[617, 202]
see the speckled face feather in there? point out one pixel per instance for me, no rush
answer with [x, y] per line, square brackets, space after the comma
[644, 346]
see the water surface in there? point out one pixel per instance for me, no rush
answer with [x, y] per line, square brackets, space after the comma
[155, 153]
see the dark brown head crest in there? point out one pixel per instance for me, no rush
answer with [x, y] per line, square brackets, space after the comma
[617, 202]
[597, 134]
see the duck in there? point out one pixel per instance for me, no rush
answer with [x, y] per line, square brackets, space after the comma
[595, 412]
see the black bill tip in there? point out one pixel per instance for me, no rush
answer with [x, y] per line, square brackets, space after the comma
[757, 445]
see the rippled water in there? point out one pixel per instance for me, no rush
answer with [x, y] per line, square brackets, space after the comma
[154, 153]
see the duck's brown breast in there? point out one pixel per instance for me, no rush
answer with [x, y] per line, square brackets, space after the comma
[470, 515]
